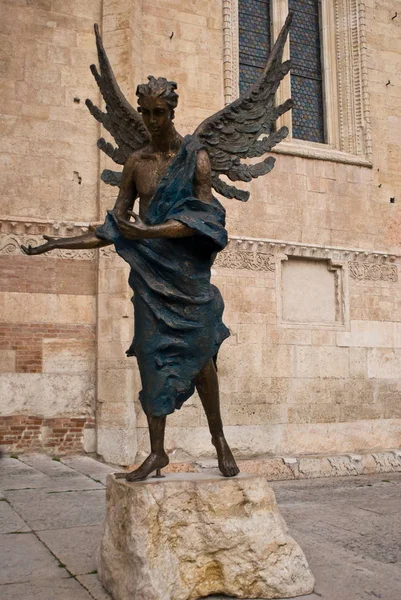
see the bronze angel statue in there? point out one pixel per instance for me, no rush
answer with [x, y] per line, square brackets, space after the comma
[172, 242]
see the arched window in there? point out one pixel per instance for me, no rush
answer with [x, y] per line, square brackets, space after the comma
[329, 80]
[254, 30]
[255, 40]
[308, 121]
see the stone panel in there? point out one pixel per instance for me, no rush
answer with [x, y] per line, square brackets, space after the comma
[368, 334]
[384, 363]
[52, 393]
[322, 362]
[46, 308]
[309, 292]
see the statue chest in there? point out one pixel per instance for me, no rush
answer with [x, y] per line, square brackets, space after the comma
[148, 174]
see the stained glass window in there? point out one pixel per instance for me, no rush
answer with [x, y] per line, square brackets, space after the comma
[305, 51]
[306, 71]
[254, 40]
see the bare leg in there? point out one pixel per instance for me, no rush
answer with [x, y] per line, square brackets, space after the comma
[157, 459]
[208, 389]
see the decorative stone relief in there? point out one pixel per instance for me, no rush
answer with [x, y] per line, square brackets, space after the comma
[340, 266]
[245, 260]
[108, 252]
[269, 251]
[240, 253]
[352, 77]
[15, 232]
[373, 272]
[230, 50]
[10, 245]
[54, 228]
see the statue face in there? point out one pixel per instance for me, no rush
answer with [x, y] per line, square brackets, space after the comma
[156, 114]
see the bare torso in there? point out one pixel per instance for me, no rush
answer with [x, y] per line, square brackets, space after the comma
[148, 168]
[143, 172]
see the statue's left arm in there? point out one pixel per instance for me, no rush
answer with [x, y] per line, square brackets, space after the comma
[137, 229]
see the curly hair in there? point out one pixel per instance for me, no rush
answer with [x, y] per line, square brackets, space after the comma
[159, 88]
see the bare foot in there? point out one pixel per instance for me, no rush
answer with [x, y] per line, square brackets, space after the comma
[150, 464]
[225, 458]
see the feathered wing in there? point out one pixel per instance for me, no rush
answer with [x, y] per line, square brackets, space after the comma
[233, 133]
[121, 119]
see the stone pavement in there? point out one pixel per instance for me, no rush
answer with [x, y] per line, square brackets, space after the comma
[51, 514]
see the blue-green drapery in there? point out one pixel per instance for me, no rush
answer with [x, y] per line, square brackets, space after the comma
[178, 312]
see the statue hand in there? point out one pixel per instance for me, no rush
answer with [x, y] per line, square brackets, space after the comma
[133, 230]
[50, 244]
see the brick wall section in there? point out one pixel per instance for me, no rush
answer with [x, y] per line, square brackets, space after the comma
[62, 435]
[26, 340]
[44, 275]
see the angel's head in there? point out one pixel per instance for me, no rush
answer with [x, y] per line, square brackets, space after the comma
[157, 100]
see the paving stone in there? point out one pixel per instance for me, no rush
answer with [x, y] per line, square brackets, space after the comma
[93, 585]
[343, 574]
[45, 510]
[41, 472]
[348, 527]
[60, 476]
[354, 553]
[16, 475]
[24, 558]
[45, 464]
[90, 467]
[10, 521]
[59, 589]
[309, 597]
[76, 547]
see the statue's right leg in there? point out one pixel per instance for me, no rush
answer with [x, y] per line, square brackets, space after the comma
[207, 386]
[157, 458]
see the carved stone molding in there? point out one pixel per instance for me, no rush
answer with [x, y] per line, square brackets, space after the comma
[352, 77]
[36, 227]
[108, 252]
[254, 254]
[254, 261]
[369, 271]
[10, 245]
[14, 232]
[284, 248]
[230, 50]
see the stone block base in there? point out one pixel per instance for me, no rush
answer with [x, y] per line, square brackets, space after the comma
[191, 535]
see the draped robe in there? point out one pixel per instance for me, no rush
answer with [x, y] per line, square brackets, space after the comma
[177, 311]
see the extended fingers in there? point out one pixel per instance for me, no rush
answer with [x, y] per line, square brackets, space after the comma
[29, 250]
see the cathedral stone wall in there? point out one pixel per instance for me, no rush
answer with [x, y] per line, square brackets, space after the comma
[311, 277]
[50, 170]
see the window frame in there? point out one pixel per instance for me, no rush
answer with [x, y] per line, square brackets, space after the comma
[345, 87]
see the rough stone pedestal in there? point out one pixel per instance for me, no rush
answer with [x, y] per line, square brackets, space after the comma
[191, 535]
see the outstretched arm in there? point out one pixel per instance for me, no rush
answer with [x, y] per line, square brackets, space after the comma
[171, 229]
[82, 242]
